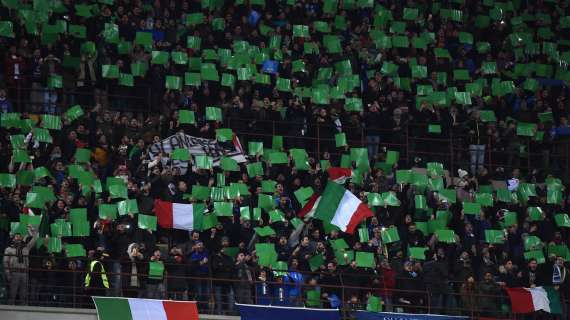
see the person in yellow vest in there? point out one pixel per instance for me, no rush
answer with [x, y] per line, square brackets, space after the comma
[96, 280]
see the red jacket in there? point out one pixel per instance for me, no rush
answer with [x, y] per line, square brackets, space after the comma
[387, 282]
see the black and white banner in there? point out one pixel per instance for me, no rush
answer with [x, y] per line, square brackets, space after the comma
[197, 146]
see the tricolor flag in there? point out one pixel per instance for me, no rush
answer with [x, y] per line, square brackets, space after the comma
[308, 210]
[179, 215]
[339, 175]
[112, 308]
[341, 208]
[527, 300]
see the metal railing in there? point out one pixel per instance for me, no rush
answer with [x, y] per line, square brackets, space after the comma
[29, 96]
[65, 288]
[452, 149]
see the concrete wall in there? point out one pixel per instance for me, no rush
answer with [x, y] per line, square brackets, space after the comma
[44, 313]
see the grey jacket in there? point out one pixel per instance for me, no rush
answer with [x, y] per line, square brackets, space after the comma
[11, 261]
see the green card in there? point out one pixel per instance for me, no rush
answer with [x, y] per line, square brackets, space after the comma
[186, 117]
[536, 254]
[390, 235]
[173, 82]
[54, 245]
[51, 122]
[526, 129]
[255, 148]
[74, 113]
[417, 253]
[213, 114]
[276, 215]
[340, 139]
[447, 236]
[562, 220]
[155, 270]
[315, 262]
[110, 71]
[30, 220]
[74, 250]
[147, 222]
[223, 209]
[82, 155]
[129, 206]
[60, 228]
[510, 218]
[532, 243]
[181, 154]
[80, 228]
[108, 211]
[266, 254]
[7, 180]
[303, 194]
[472, 208]
[228, 164]
[278, 158]
[494, 236]
[204, 162]
[35, 200]
[390, 199]
[434, 128]
[365, 259]
[118, 191]
[420, 202]
[484, 199]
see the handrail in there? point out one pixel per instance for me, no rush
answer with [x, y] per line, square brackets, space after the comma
[76, 296]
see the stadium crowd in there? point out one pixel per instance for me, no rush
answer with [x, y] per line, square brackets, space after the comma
[356, 76]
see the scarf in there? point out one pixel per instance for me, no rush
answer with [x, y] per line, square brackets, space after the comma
[20, 252]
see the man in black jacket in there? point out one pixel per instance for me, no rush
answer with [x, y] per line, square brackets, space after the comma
[534, 276]
[330, 282]
[435, 276]
[407, 285]
[222, 270]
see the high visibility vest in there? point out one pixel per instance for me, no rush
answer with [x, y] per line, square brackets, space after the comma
[103, 274]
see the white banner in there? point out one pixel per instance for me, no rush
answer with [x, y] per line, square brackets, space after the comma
[197, 146]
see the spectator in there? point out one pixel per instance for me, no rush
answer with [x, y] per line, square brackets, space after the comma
[436, 277]
[223, 271]
[468, 293]
[490, 292]
[155, 283]
[5, 104]
[245, 279]
[176, 272]
[531, 276]
[96, 279]
[16, 264]
[132, 272]
[408, 286]
[199, 272]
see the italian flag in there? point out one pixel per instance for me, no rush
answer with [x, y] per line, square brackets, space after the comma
[178, 215]
[308, 211]
[113, 308]
[339, 175]
[341, 208]
[527, 300]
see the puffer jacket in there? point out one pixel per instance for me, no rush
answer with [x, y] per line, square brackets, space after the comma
[14, 263]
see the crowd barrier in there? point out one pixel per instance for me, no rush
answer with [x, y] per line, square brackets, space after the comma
[65, 288]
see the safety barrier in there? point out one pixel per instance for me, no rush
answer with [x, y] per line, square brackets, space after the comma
[65, 288]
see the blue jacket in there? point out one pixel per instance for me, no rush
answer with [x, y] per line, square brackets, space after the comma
[296, 281]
